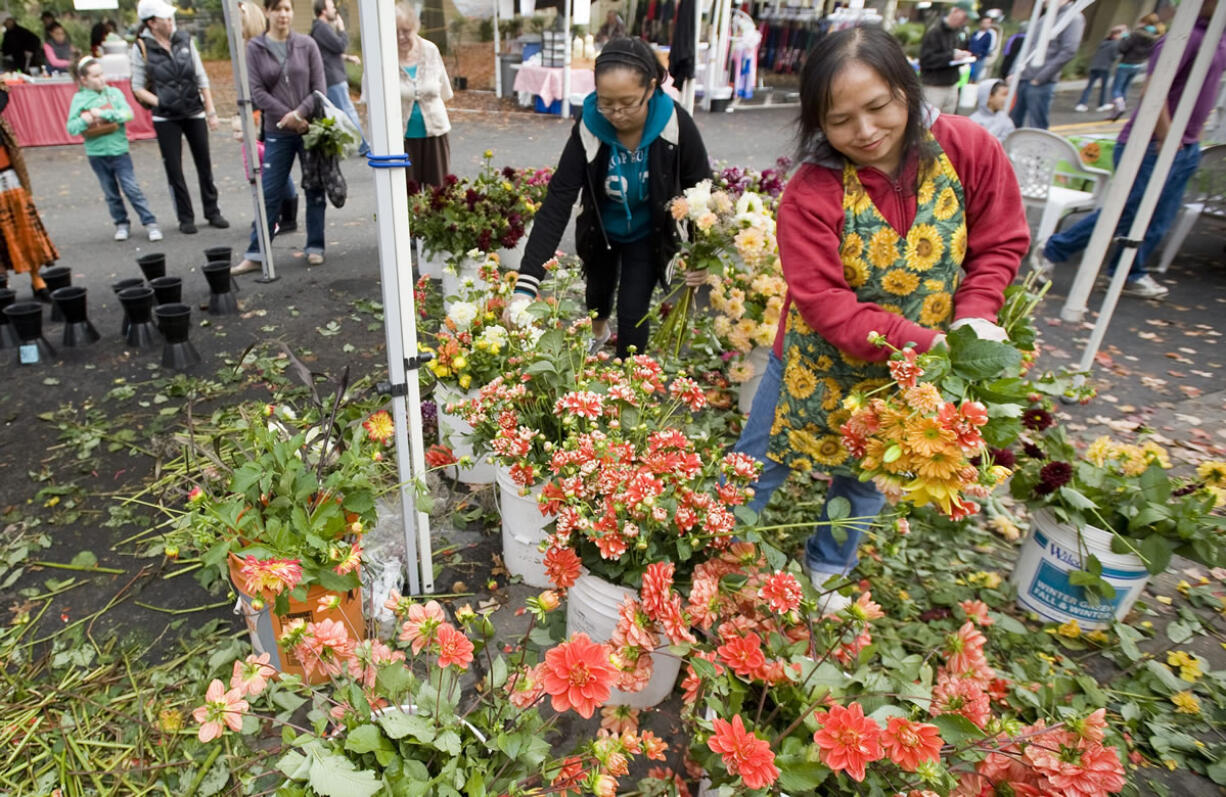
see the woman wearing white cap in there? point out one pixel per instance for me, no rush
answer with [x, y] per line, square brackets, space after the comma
[169, 78]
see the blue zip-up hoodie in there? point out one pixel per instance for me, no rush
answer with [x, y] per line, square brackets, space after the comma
[624, 206]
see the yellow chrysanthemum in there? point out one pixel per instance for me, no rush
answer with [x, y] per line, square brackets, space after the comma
[800, 381]
[830, 451]
[823, 363]
[926, 436]
[1101, 450]
[1185, 703]
[924, 247]
[1188, 665]
[855, 272]
[957, 244]
[947, 204]
[942, 465]
[834, 394]
[852, 247]
[883, 248]
[1212, 473]
[899, 282]
[936, 309]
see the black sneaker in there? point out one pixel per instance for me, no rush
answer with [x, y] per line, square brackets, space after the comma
[187, 227]
[43, 295]
[218, 221]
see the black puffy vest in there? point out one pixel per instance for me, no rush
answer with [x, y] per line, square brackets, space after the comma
[172, 77]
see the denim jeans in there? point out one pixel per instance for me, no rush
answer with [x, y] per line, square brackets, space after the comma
[279, 154]
[1099, 75]
[1064, 245]
[338, 93]
[823, 553]
[1033, 104]
[115, 174]
[1124, 73]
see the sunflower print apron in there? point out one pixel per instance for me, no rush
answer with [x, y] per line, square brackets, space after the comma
[914, 276]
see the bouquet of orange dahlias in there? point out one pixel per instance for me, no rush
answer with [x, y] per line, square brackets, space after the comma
[920, 445]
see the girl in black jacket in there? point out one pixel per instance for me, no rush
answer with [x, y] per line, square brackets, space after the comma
[632, 151]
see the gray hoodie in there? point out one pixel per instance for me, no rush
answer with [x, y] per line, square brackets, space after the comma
[998, 124]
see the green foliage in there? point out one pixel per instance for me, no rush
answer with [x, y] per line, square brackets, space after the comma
[485, 30]
[216, 44]
[328, 137]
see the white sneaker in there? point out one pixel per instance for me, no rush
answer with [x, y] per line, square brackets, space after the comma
[155, 232]
[122, 232]
[1106, 106]
[599, 342]
[1146, 287]
[1081, 107]
[1039, 263]
[1120, 105]
[830, 602]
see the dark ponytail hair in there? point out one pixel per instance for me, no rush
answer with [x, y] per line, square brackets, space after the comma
[626, 52]
[879, 51]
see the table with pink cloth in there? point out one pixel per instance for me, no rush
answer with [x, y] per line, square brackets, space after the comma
[546, 81]
[39, 111]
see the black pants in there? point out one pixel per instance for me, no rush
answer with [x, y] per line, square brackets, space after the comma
[629, 272]
[170, 135]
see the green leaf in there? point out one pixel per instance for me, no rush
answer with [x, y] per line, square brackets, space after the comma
[800, 776]
[978, 359]
[1157, 552]
[956, 728]
[1164, 675]
[294, 765]
[892, 453]
[337, 776]
[498, 676]
[1179, 632]
[839, 507]
[1129, 637]
[1076, 499]
[449, 742]
[1217, 772]
[397, 725]
[84, 559]
[365, 739]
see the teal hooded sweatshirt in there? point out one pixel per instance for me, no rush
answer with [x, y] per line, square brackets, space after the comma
[624, 202]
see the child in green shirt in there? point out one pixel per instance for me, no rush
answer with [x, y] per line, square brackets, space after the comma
[98, 105]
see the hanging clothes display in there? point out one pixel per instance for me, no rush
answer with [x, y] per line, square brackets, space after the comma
[787, 34]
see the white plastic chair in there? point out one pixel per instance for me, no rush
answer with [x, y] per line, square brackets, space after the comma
[1035, 155]
[1206, 194]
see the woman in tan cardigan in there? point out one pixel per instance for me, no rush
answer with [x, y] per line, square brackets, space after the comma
[424, 86]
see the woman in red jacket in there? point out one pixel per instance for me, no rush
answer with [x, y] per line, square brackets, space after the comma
[901, 221]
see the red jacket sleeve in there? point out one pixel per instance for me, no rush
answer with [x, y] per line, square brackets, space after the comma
[997, 236]
[810, 226]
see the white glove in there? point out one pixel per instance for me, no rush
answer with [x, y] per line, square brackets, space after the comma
[696, 278]
[516, 312]
[983, 329]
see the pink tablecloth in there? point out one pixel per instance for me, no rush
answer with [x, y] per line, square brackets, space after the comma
[546, 81]
[38, 112]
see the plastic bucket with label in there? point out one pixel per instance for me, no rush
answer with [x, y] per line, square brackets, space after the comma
[1054, 550]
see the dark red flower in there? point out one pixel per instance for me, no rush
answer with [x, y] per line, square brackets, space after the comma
[1053, 476]
[1033, 451]
[1003, 457]
[485, 240]
[1037, 419]
[413, 186]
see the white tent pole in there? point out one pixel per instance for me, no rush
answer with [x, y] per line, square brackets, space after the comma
[566, 60]
[238, 57]
[379, 54]
[497, 54]
[1164, 75]
[1023, 57]
[1038, 55]
[1030, 53]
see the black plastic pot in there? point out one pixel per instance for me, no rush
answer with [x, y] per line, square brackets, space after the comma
[167, 290]
[152, 265]
[8, 338]
[121, 285]
[56, 277]
[138, 309]
[174, 322]
[27, 321]
[78, 331]
[221, 297]
[4, 280]
[461, 83]
[216, 254]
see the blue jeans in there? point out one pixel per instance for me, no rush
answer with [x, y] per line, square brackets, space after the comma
[115, 173]
[338, 93]
[279, 154]
[1099, 75]
[823, 553]
[1064, 245]
[1033, 104]
[1124, 73]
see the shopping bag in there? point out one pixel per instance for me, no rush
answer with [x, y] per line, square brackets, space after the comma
[326, 109]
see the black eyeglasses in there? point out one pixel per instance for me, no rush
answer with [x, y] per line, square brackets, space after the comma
[613, 110]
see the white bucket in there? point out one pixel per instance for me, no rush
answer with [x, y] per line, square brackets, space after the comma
[466, 267]
[1051, 552]
[455, 432]
[757, 359]
[592, 607]
[523, 531]
[429, 264]
[512, 258]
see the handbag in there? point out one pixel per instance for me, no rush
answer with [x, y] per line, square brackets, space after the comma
[100, 127]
